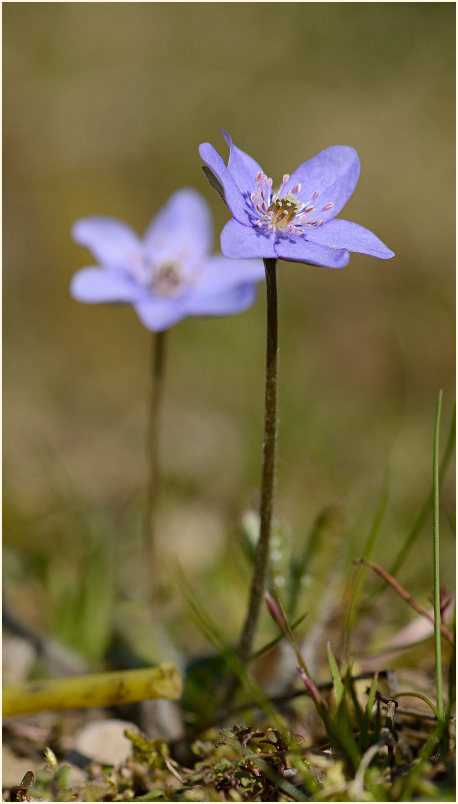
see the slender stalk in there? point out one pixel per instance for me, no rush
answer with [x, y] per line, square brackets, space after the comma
[261, 559]
[437, 611]
[157, 382]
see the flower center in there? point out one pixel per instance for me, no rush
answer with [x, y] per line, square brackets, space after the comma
[167, 279]
[283, 212]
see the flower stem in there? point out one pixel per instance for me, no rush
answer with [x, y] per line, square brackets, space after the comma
[437, 611]
[157, 382]
[261, 559]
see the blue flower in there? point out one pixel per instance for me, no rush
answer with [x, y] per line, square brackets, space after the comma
[168, 275]
[298, 220]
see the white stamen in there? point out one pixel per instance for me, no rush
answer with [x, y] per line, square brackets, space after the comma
[279, 211]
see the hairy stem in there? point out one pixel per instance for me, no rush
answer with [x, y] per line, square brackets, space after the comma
[261, 562]
[261, 559]
[157, 381]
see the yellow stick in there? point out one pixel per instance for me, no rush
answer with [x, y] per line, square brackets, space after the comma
[104, 689]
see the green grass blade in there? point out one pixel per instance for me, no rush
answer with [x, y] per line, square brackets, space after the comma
[436, 563]
[336, 679]
[426, 510]
[341, 733]
[425, 753]
[371, 698]
[417, 695]
[360, 713]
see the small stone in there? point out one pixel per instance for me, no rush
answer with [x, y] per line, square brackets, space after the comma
[104, 741]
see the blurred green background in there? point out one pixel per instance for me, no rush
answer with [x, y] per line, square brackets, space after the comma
[105, 105]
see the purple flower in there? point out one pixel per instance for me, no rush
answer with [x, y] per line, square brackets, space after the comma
[169, 274]
[296, 221]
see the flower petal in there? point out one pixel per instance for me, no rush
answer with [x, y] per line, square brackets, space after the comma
[345, 234]
[112, 242]
[182, 230]
[333, 174]
[242, 167]
[231, 301]
[158, 314]
[93, 285]
[246, 241]
[221, 274]
[232, 195]
[298, 249]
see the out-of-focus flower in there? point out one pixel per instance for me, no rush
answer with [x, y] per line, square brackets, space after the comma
[169, 274]
[297, 221]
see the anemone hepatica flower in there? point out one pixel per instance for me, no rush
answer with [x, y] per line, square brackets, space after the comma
[169, 274]
[297, 221]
